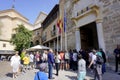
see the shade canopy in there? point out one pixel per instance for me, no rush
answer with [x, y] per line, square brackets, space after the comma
[38, 47]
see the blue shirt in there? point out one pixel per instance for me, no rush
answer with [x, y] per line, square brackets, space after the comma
[50, 58]
[117, 51]
[41, 76]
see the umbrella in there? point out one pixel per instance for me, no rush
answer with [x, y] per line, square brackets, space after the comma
[38, 47]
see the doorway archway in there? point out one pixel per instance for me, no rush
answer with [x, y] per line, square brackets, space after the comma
[88, 34]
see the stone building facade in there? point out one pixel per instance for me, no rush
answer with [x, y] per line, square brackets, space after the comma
[111, 23]
[37, 29]
[10, 19]
[93, 24]
[81, 16]
[50, 38]
[90, 24]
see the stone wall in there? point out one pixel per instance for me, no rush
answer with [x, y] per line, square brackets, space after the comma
[111, 24]
[70, 24]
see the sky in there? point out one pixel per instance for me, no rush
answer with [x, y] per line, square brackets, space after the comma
[29, 8]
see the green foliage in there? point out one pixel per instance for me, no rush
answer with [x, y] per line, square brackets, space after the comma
[22, 38]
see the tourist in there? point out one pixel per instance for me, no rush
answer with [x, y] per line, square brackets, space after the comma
[15, 63]
[81, 68]
[22, 55]
[50, 64]
[62, 60]
[44, 56]
[67, 60]
[104, 59]
[41, 75]
[75, 54]
[71, 59]
[37, 59]
[97, 67]
[117, 57]
[90, 58]
[57, 62]
[26, 61]
[31, 60]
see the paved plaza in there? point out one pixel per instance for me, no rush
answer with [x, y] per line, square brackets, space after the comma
[5, 74]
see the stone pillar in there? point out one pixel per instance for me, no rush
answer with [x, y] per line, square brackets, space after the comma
[78, 40]
[49, 44]
[100, 34]
[54, 45]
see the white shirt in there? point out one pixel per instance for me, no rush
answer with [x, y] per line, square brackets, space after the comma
[15, 60]
[74, 56]
[81, 65]
[94, 58]
[44, 57]
[90, 56]
[67, 55]
[57, 58]
[31, 57]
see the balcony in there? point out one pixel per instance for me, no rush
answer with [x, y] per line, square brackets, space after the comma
[53, 33]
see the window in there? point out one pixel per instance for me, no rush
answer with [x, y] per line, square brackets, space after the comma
[53, 32]
[37, 32]
[37, 42]
[53, 28]
[4, 45]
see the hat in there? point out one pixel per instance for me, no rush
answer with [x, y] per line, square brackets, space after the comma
[43, 66]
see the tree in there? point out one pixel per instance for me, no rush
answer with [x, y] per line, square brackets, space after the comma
[22, 38]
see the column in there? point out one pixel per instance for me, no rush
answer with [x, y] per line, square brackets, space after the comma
[54, 45]
[78, 40]
[100, 34]
[49, 44]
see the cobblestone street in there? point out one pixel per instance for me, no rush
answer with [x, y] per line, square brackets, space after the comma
[5, 74]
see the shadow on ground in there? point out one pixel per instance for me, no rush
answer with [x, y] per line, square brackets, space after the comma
[9, 75]
[71, 77]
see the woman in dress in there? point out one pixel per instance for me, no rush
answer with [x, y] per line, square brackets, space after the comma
[15, 63]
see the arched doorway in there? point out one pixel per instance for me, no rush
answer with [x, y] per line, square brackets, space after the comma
[88, 35]
[37, 42]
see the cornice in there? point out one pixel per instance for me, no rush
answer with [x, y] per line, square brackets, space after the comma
[14, 18]
[5, 16]
[94, 9]
[12, 10]
[4, 40]
[99, 20]
[52, 38]
[75, 1]
[22, 20]
[39, 28]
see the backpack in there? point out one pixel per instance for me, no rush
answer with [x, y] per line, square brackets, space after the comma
[99, 60]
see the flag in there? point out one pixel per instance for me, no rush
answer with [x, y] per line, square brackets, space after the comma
[65, 21]
[60, 24]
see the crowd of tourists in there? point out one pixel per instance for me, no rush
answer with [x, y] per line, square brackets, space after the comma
[62, 60]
